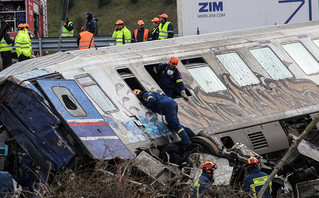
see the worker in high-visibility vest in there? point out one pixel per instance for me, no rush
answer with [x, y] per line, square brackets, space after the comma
[67, 29]
[5, 49]
[166, 29]
[141, 34]
[85, 39]
[23, 44]
[121, 34]
[201, 185]
[155, 30]
[255, 179]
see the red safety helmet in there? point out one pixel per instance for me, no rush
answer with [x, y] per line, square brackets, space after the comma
[252, 160]
[173, 61]
[208, 165]
[119, 22]
[136, 91]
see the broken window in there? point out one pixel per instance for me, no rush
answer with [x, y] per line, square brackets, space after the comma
[238, 69]
[130, 79]
[69, 102]
[302, 57]
[93, 89]
[271, 63]
[203, 75]
[227, 141]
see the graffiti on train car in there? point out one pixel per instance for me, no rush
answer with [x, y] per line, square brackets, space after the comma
[239, 103]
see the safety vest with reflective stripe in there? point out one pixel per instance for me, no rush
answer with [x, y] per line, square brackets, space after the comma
[163, 30]
[66, 32]
[259, 181]
[85, 40]
[23, 44]
[145, 36]
[197, 185]
[122, 36]
[4, 46]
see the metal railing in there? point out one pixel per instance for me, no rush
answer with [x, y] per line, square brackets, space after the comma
[67, 43]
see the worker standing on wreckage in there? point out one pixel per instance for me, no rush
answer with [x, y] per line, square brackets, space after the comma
[164, 105]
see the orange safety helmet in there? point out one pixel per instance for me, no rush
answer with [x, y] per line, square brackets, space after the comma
[156, 20]
[26, 25]
[173, 61]
[21, 25]
[140, 22]
[208, 165]
[252, 160]
[119, 22]
[164, 16]
[136, 91]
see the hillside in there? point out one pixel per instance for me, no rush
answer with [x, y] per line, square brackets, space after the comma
[107, 15]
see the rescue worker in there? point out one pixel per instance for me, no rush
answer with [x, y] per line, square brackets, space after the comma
[5, 49]
[155, 30]
[91, 23]
[255, 179]
[166, 29]
[121, 34]
[201, 185]
[67, 29]
[23, 44]
[164, 105]
[85, 39]
[26, 29]
[170, 79]
[141, 34]
[6, 184]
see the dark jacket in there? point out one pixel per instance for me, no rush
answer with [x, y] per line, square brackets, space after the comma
[201, 184]
[155, 33]
[164, 105]
[140, 35]
[169, 84]
[254, 185]
[91, 24]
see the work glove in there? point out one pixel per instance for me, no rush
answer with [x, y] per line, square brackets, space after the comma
[184, 95]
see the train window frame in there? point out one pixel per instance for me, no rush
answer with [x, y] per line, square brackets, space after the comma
[243, 76]
[60, 92]
[92, 95]
[192, 68]
[129, 78]
[304, 65]
[275, 69]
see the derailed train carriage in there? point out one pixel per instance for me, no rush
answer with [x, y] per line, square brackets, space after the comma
[257, 87]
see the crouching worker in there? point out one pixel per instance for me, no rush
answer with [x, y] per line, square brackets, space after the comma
[201, 185]
[255, 179]
[162, 104]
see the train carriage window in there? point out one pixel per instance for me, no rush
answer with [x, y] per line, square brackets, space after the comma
[130, 79]
[203, 75]
[69, 102]
[92, 88]
[271, 63]
[302, 57]
[238, 69]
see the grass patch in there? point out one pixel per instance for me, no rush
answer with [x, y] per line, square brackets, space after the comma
[107, 15]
